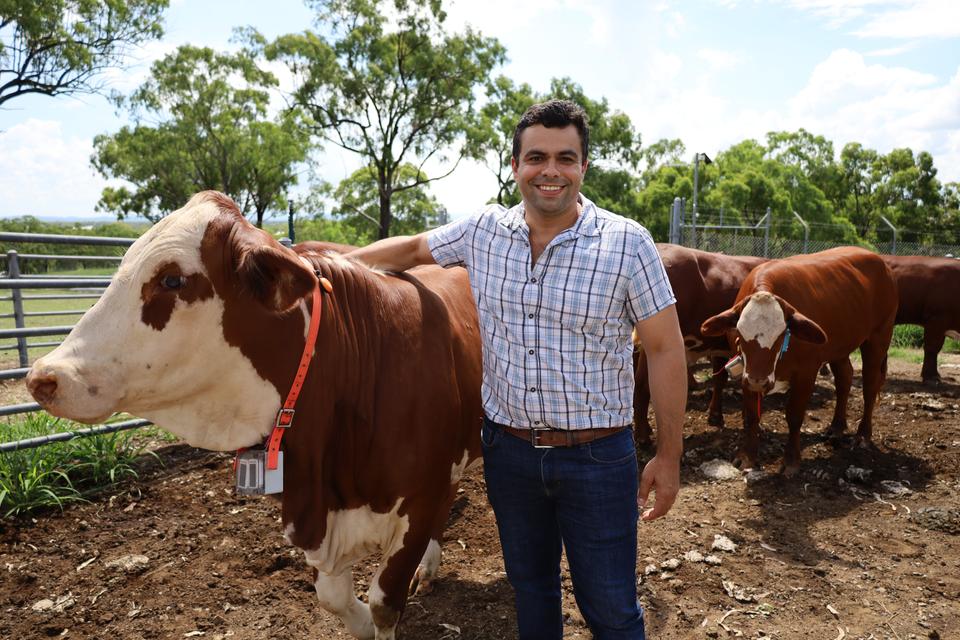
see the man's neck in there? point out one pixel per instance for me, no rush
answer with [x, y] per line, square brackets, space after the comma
[550, 226]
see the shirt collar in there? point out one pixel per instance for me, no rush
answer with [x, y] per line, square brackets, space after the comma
[586, 224]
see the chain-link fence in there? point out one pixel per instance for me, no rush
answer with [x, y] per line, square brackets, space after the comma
[757, 234]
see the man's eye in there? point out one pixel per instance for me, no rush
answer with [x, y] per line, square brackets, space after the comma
[172, 282]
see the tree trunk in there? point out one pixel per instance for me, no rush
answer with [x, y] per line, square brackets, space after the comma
[385, 215]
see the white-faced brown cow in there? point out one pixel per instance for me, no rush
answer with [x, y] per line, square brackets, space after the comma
[201, 332]
[795, 314]
[929, 291]
[704, 284]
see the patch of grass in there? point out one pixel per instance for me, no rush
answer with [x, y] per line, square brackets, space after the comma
[914, 356]
[60, 473]
[907, 335]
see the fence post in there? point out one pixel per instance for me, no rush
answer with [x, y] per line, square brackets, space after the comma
[893, 243]
[293, 238]
[675, 213]
[13, 266]
[766, 234]
[806, 230]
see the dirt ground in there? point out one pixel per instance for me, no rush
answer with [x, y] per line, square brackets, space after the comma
[834, 553]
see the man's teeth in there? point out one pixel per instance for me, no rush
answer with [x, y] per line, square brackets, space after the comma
[550, 187]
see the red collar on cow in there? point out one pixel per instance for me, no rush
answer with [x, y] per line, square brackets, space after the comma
[286, 412]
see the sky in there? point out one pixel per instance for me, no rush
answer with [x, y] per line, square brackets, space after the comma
[885, 73]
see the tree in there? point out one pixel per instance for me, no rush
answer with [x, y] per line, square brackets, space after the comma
[61, 47]
[392, 95]
[211, 135]
[358, 205]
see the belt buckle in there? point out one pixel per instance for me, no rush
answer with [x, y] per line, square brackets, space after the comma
[535, 438]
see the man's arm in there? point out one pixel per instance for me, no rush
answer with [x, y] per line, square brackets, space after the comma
[667, 365]
[395, 254]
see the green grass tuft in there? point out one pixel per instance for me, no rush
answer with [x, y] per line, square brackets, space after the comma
[61, 473]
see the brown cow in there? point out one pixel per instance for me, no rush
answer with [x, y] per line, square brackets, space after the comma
[929, 296]
[704, 284]
[201, 331]
[832, 303]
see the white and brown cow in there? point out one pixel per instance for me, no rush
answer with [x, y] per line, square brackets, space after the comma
[201, 332]
[832, 303]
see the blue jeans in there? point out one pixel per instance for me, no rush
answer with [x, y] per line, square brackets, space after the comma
[581, 498]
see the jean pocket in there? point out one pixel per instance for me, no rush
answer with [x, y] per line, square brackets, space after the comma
[615, 449]
[490, 434]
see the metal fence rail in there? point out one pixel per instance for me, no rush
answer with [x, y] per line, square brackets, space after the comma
[78, 287]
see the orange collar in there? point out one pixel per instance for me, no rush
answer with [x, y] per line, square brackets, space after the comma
[286, 412]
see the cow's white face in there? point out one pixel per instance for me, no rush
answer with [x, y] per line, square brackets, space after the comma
[154, 346]
[761, 330]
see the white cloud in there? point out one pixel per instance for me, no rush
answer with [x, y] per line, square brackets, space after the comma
[901, 19]
[720, 59]
[44, 173]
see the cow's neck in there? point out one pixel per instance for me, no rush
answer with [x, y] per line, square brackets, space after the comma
[333, 424]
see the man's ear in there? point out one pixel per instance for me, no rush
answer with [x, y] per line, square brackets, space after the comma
[723, 322]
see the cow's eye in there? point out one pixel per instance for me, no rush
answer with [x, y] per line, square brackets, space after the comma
[172, 283]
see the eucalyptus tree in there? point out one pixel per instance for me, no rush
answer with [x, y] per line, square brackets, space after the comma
[201, 122]
[386, 81]
[63, 47]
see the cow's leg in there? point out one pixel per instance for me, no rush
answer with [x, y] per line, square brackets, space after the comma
[337, 596]
[933, 338]
[428, 569]
[874, 356]
[388, 589]
[801, 388]
[747, 455]
[842, 380]
[719, 377]
[641, 399]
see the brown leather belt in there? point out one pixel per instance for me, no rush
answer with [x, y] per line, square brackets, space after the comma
[543, 438]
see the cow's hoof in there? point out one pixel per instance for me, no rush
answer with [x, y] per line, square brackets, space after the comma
[932, 381]
[861, 442]
[836, 430]
[745, 462]
[790, 470]
[715, 420]
[420, 584]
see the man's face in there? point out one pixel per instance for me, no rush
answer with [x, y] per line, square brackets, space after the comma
[550, 169]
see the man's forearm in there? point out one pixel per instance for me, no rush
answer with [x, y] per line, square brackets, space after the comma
[668, 392]
[395, 254]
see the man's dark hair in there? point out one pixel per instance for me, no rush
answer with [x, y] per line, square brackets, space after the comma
[554, 113]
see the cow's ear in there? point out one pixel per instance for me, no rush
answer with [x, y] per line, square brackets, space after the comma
[720, 323]
[723, 322]
[275, 277]
[801, 327]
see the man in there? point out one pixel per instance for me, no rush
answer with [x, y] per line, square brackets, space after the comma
[559, 284]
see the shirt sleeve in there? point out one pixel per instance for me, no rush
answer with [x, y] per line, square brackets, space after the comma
[649, 291]
[449, 244]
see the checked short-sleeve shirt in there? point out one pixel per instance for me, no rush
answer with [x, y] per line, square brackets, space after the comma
[557, 349]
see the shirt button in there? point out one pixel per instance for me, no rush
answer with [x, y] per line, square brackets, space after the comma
[533, 388]
[536, 422]
[530, 316]
[530, 352]
[533, 279]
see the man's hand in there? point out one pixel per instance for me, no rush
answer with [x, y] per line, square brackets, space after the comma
[662, 475]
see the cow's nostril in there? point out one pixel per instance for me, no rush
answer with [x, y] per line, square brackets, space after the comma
[42, 388]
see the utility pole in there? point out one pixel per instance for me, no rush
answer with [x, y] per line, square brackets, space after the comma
[696, 189]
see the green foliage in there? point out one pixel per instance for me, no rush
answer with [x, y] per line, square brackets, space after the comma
[907, 336]
[391, 94]
[60, 473]
[62, 47]
[211, 134]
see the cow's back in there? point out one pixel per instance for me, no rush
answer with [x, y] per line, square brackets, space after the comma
[849, 292]
[703, 283]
